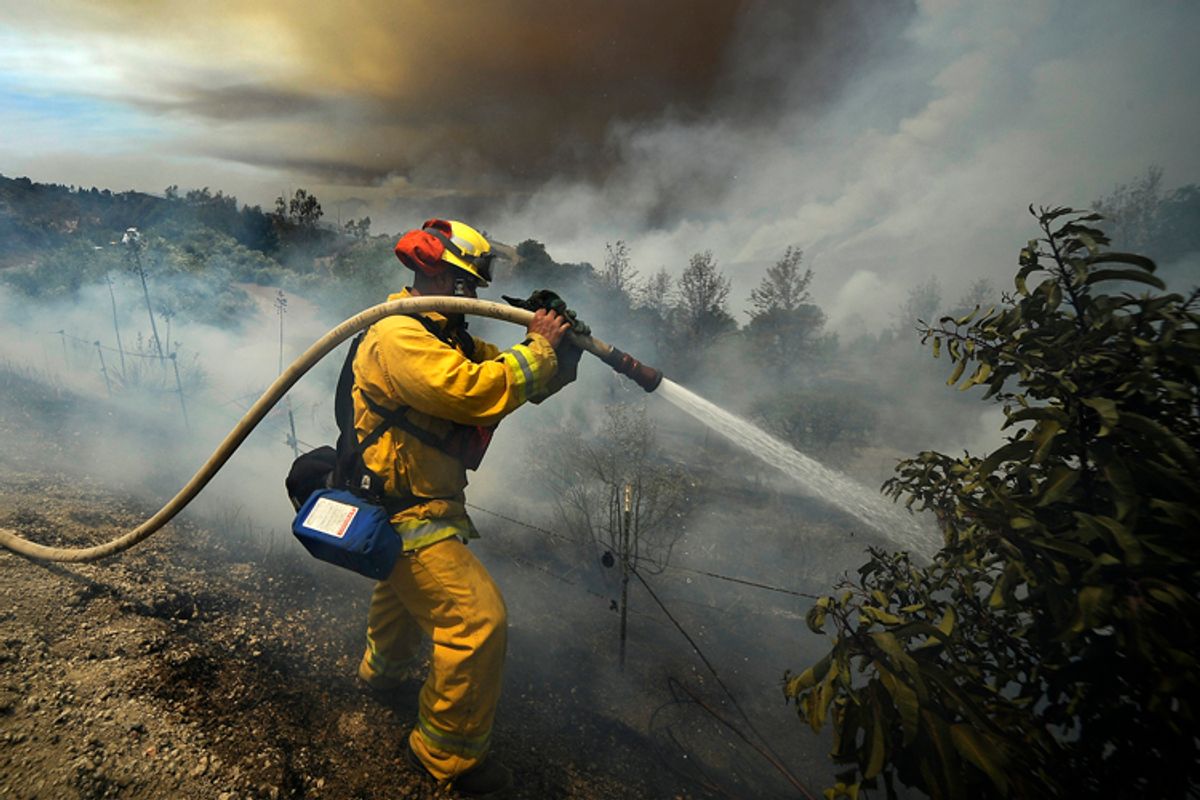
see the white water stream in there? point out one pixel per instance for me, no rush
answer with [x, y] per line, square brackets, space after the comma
[816, 479]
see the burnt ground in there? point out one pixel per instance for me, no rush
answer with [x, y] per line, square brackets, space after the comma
[178, 670]
[208, 663]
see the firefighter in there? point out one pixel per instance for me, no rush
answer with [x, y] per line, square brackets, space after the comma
[456, 387]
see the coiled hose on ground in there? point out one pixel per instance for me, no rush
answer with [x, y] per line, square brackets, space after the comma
[646, 377]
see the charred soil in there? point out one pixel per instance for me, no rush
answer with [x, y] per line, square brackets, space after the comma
[195, 666]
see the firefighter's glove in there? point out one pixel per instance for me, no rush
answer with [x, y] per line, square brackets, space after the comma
[544, 298]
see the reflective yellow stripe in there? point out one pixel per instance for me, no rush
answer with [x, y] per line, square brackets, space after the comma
[519, 382]
[382, 666]
[523, 362]
[525, 368]
[417, 533]
[436, 738]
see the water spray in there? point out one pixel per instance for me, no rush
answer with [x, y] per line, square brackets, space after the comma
[645, 376]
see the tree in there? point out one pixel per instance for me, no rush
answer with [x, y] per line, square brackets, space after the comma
[922, 305]
[783, 288]
[980, 294]
[1147, 219]
[831, 419]
[535, 267]
[656, 293]
[301, 212]
[702, 300]
[1133, 210]
[613, 489]
[1049, 649]
[304, 211]
[358, 229]
[784, 325]
[618, 274]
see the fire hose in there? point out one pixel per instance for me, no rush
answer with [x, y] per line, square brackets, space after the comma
[645, 376]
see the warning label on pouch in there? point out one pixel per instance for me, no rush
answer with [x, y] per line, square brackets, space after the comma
[330, 517]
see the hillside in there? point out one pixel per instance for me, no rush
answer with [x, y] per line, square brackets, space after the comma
[216, 663]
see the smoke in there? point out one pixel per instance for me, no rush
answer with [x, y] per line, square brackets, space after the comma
[135, 441]
[893, 144]
[128, 426]
[921, 164]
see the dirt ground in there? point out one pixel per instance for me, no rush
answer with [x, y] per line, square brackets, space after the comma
[212, 661]
[180, 671]
[201, 664]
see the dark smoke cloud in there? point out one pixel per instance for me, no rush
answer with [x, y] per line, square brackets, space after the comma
[244, 102]
[451, 100]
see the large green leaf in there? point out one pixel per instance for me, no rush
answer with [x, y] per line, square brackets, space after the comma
[889, 644]
[816, 614]
[983, 754]
[957, 372]
[818, 701]
[1093, 602]
[1038, 413]
[808, 678]
[1056, 487]
[876, 746]
[904, 698]
[938, 732]
[1043, 435]
[1124, 275]
[946, 623]
[876, 614]
[1107, 409]
[1164, 437]
[1124, 258]
[1013, 451]
[1124, 489]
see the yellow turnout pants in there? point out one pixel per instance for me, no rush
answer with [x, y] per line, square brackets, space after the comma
[445, 592]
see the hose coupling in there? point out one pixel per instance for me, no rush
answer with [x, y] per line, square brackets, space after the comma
[643, 375]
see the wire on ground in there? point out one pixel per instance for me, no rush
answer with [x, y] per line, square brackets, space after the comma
[706, 573]
[770, 755]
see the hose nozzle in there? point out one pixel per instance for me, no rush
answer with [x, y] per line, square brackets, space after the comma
[643, 375]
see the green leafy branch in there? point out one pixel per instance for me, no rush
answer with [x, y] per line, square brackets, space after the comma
[1047, 649]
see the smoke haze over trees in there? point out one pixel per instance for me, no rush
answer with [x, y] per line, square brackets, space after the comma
[859, 403]
[769, 201]
[864, 131]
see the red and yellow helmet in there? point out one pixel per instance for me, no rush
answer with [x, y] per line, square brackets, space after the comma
[443, 242]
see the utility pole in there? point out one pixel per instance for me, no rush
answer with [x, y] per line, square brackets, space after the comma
[103, 368]
[281, 309]
[625, 566]
[133, 239]
[179, 386]
[116, 328]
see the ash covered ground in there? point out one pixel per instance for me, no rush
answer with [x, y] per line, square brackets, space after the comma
[216, 661]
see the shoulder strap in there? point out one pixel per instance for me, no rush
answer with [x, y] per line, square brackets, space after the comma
[343, 401]
[349, 450]
[351, 470]
[458, 337]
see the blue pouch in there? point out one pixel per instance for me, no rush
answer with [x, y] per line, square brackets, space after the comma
[339, 527]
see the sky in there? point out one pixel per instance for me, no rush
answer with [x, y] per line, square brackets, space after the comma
[892, 141]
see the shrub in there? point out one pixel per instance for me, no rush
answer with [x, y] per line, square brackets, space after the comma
[1050, 647]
